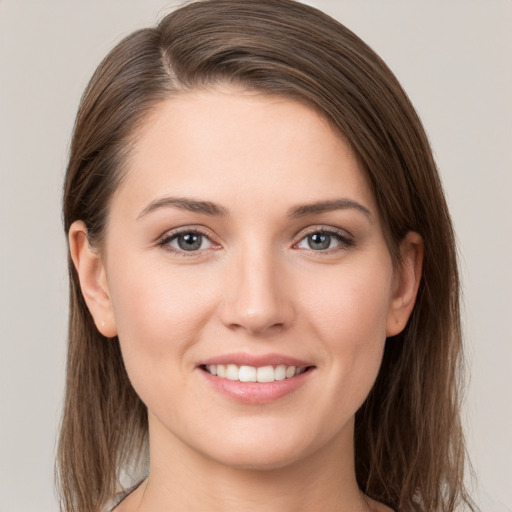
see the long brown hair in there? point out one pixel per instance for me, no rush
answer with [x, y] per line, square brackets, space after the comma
[408, 443]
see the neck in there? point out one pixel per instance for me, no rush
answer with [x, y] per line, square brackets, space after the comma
[183, 479]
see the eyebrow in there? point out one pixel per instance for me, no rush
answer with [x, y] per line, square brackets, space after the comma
[209, 208]
[328, 206]
[192, 205]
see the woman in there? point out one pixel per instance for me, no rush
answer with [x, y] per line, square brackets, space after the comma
[264, 290]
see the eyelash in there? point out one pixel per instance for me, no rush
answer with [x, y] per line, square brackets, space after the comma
[345, 241]
[169, 237]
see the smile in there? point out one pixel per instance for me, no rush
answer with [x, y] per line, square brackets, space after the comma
[260, 374]
[256, 379]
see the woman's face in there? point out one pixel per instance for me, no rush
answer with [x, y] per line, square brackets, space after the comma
[245, 244]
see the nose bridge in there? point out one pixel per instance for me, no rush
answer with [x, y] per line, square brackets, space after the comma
[257, 298]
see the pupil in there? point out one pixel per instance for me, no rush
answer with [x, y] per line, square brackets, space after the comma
[319, 241]
[189, 242]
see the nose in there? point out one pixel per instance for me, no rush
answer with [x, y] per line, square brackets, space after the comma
[257, 298]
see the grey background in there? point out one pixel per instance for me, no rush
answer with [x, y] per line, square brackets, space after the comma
[454, 60]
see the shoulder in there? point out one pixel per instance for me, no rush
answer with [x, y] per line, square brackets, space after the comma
[115, 504]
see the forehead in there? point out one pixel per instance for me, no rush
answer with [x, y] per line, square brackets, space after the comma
[240, 147]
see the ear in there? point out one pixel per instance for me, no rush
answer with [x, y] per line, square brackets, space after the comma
[406, 282]
[92, 277]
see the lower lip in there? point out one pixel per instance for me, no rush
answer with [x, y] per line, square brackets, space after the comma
[256, 392]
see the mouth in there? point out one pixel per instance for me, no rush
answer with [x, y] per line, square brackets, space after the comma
[256, 378]
[261, 374]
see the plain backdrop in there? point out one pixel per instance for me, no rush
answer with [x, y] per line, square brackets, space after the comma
[454, 58]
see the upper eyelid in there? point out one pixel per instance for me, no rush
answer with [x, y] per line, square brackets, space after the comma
[171, 233]
[323, 229]
[345, 239]
[164, 242]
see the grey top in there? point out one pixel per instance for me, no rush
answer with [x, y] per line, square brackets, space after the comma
[119, 497]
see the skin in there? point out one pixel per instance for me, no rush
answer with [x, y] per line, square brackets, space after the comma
[255, 286]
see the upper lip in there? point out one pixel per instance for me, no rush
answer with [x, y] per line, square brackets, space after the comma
[256, 360]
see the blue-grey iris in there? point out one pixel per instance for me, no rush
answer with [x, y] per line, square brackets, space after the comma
[190, 241]
[319, 241]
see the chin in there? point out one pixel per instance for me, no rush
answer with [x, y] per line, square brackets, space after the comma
[266, 450]
[259, 460]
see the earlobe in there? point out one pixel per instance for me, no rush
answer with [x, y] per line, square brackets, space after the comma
[93, 283]
[407, 281]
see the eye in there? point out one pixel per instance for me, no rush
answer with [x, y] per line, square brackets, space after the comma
[323, 240]
[187, 241]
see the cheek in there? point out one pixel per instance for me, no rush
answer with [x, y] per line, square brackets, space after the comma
[160, 315]
[158, 312]
[349, 317]
[352, 303]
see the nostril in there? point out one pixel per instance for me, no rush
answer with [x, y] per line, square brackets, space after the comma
[256, 301]
[255, 325]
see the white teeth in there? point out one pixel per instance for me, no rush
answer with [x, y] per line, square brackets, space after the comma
[247, 374]
[280, 372]
[290, 371]
[253, 374]
[232, 372]
[266, 374]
